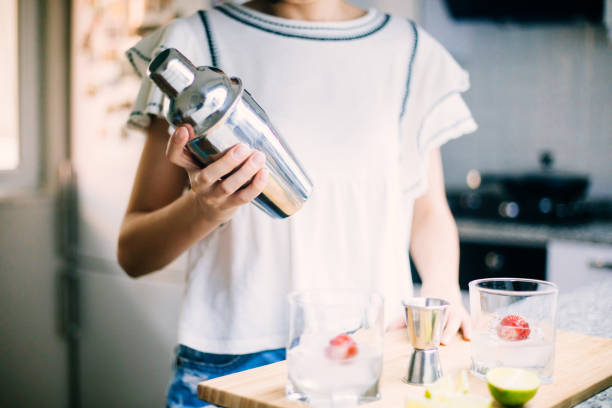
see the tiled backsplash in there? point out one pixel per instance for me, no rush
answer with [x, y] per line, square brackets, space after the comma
[534, 88]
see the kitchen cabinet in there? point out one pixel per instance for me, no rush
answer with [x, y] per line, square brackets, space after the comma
[569, 255]
[485, 259]
[572, 264]
[493, 260]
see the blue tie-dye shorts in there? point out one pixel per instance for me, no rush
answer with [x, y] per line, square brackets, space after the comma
[192, 367]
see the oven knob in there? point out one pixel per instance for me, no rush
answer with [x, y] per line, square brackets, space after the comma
[494, 261]
[508, 209]
[545, 205]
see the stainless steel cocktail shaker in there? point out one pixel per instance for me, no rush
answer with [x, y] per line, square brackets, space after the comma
[223, 114]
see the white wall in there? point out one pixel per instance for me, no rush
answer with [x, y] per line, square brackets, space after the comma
[9, 151]
[534, 87]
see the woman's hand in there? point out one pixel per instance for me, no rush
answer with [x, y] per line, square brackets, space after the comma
[218, 187]
[457, 317]
[161, 222]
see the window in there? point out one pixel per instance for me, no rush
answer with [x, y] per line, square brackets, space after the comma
[9, 140]
[20, 42]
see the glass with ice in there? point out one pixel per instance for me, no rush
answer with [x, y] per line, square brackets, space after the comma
[514, 325]
[335, 348]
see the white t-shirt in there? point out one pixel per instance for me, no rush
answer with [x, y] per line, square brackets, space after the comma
[360, 103]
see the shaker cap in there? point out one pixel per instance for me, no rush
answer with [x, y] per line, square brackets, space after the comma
[172, 72]
[200, 96]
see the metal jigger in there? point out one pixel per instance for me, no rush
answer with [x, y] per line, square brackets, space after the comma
[424, 320]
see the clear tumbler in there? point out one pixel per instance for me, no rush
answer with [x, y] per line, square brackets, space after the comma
[335, 348]
[514, 325]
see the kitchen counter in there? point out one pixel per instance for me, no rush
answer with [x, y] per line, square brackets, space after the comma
[583, 310]
[587, 310]
[533, 234]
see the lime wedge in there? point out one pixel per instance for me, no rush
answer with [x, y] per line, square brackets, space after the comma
[443, 386]
[463, 384]
[512, 386]
[445, 393]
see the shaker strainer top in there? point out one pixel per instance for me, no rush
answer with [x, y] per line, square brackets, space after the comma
[208, 103]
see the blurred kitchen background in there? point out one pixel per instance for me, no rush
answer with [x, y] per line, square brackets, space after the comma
[531, 189]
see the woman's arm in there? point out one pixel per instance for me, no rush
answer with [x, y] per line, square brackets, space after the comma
[161, 222]
[435, 249]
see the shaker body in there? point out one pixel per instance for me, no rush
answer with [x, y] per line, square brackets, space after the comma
[288, 184]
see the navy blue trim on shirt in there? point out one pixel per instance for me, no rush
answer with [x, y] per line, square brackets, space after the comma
[140, 54]
[136, 124]
[444, 130]
[134, 66]
[247, 13]
[209, 38]
[410, 62]
[433, 141]
[438, 102]
[304, 37]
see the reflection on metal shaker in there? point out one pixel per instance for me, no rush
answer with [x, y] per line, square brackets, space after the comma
[223, 114]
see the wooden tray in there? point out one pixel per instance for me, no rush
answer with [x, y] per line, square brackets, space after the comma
[583, 367]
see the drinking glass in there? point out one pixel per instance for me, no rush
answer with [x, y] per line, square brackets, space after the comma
[335, 348]
[514, 325]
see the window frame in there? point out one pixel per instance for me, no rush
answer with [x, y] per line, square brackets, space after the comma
[26, 176]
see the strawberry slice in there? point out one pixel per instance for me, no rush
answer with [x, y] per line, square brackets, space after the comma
[341, 347]
[513, 328]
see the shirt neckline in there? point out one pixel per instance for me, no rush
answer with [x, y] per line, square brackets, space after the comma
[353, 29]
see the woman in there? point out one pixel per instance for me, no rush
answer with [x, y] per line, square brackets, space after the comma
[364, 100]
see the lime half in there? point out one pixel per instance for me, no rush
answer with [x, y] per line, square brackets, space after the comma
[512, 386]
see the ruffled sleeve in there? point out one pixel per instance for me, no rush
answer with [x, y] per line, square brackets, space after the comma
[185, 34]
[433, 111]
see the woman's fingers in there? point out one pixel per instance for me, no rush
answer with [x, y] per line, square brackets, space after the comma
[466, 328]
[457, 318]
[397, 324]
[452, 325]
[224, 165]
[255, 188]
[241, 176]
[220, 184]
[175, 150]
[176, 143]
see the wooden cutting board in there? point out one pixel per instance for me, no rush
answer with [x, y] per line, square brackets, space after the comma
[583, 367]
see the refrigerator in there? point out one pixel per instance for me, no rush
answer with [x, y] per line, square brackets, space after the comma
[121, 331]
